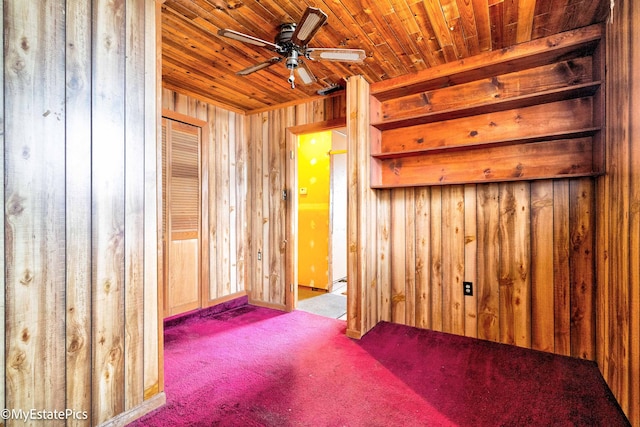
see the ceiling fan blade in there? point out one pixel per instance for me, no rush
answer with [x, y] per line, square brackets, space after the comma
[336, 54]
[311, 21]
[235, 35]
[259, 66]
[305, 74]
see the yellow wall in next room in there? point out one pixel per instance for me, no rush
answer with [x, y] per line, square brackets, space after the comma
[313, 209]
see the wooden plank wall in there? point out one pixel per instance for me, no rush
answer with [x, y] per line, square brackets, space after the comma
[80, 242]
[268, 163]
[618, 260]
[225, 186]
[527, 248]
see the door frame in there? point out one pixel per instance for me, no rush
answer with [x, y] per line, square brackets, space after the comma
[291, 217]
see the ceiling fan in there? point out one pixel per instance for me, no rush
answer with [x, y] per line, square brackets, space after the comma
[291, 44]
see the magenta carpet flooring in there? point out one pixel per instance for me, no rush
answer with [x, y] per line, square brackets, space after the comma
[259, 367]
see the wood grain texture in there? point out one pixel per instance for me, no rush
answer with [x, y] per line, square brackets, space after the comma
[618, 331]
[134, 205]
[108, 219]
[3, 328]
[78, 208]
[34, 206]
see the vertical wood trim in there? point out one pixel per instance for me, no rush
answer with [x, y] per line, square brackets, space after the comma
[78, 207]
[634, 221]
[453, 253]
[212, 203]
[489, 250]
[153, 275]
[436, 260]
[203, 226]
[134, 204]
[381, 289]
[581, 206]
[356, 225]
[410, 257]
[3, 314]
[241, 201]
[221, 141]
[34, 204]
[561, 279]
[423, 257]
[108, 209]
[470, 260]
[542, 292]
[397, 256]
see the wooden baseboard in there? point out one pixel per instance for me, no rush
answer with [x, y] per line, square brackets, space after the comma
[133, 414]
[352, 333]
[280, 307]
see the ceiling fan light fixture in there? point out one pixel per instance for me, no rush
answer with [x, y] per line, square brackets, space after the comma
[306, 76]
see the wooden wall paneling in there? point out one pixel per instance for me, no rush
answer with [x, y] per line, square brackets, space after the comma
[223, 232]
[367, 270]
[3, 315]
[153, 274]
[108, 136]
[354, 292]
[470, 260]
[382, 291]
[619, 149]
[212, 227]
[134, 205]
[241, 201]
[34, 205]
[515, 295]
[205, 197]
[489, 250]
[581, 212]
[423, 257]
[410, 257]
[634, 221]
[263, 245]
[542, 278]
[232, 188]
[398, 255]
[618, 335]
[561, 278]
[437, 260]
[277, 207]
[452, 259]
[78, 208]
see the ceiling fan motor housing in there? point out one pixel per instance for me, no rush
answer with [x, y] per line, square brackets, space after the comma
[283, 39]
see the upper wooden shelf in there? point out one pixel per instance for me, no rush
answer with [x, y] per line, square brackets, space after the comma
[577, 91]
[579, 133]
[563, 46]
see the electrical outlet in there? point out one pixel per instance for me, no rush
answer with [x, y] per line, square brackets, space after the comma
[467, 288]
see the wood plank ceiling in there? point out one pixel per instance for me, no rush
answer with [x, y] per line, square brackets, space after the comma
[399, 37]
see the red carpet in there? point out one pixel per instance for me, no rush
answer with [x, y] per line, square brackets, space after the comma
[259, 367]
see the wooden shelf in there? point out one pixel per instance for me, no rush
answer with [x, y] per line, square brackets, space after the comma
[569, 92]
[579, 133]
[495, 131]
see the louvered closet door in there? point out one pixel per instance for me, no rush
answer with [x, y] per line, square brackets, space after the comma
[181, 208]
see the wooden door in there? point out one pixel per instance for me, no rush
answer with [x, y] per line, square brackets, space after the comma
[181, 216]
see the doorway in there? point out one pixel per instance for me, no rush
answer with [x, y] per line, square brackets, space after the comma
[322, 221]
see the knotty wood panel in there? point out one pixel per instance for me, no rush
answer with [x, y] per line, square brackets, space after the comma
[78, 172]
[508, 222]
[618, 216]
[34, 206]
